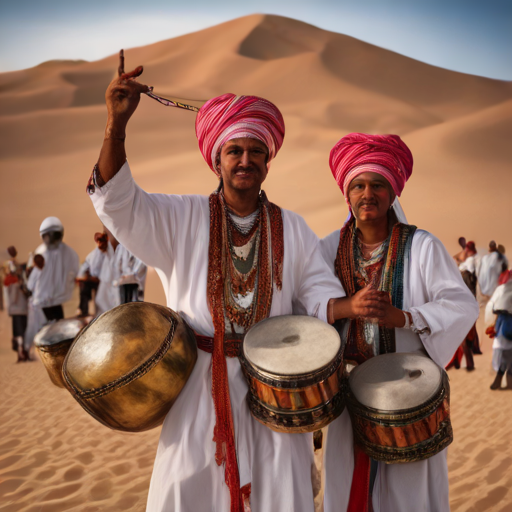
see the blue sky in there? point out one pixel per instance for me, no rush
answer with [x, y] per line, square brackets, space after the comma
[464, 35]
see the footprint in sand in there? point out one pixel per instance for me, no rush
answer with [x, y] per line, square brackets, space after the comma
[492, 499]
[9, 486]
[9, 461]
[61, 492]
[120, 469]
[74, 473]
[499, 471]
[85, 457]
[101, 490]
[9, 445]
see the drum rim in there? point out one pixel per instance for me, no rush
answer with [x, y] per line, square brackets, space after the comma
[55, 346]
[296, 381]
[398, 417]
[139, 371]
[335, 407]
[42, 346]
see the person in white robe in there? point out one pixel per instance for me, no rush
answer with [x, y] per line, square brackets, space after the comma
[36, 319]
[436, 313]
[57, 281]
[132, 276]
[89, 273]
[498, 318]
[173, 234]
[489, 270]
[107, 296]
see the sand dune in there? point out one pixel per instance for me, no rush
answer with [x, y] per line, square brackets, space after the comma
[52, 456]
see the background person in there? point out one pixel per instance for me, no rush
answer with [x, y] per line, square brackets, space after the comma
[57, 280]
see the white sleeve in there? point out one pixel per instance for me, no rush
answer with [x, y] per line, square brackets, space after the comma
[450, 310]
[317, 283]
[146, 224]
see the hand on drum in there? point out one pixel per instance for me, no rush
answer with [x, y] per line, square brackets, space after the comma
[122, 98]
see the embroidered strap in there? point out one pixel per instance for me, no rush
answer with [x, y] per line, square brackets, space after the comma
[269, 272]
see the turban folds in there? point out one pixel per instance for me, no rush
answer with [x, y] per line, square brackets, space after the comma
[357, 153]
[230, 117]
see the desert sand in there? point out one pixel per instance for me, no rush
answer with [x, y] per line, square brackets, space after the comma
[53, 457]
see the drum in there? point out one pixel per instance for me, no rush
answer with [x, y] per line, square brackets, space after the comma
[127, 367]
[400, 407]
[293, 365]
[53, 342]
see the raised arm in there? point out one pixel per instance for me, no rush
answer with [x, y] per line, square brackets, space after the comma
[122, 98]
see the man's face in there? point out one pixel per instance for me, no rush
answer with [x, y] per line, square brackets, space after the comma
[52, 239]
[370, 196]
[243, 164]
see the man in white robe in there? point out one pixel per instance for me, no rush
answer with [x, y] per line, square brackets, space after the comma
[489, 270]
[89, 273]
[238, 137]
[437, 311]
[57, 281]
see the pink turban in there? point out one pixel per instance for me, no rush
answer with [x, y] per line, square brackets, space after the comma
[230, 117]
[357, 153]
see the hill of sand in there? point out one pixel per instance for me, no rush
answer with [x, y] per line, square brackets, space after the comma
[52, 118]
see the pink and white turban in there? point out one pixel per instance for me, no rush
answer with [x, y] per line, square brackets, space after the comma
[357, 153]
[230, 117]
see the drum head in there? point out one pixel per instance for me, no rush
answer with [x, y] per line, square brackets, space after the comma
[57, 332]
[291, 345]
[394, 382]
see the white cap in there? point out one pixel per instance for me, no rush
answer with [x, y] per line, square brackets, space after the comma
[51, 224]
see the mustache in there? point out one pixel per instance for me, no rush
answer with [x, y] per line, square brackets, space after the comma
[366, 203]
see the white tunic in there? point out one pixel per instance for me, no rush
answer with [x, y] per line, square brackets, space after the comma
[36, 318]
[57, 280]
[171, 233]
[501, 300]
[92, 264]
[489, 272]
[437, 298]
[107, 296]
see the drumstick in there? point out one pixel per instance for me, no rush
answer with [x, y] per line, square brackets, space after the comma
[171, 103]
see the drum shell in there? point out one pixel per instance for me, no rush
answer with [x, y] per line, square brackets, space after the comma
[297, 404]
[140, 399]
[53, 360]
[407, 435]
[53, 351]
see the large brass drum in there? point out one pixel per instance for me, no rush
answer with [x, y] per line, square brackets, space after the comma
[399, 405]
[128, 366]
[52, 343]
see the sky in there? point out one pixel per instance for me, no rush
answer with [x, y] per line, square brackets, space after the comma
[469, 36]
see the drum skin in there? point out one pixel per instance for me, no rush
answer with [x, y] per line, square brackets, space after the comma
[127, 368]
[52, 343]
[295, 403]
[403, 435]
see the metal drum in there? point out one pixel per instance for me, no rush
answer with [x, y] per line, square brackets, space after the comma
[293, 365]
[400, 407]
[127, 367]
[53, 342]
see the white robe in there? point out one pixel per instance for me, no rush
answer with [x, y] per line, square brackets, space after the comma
[36, 318]
[489, 270]
[107, 296]
[92, 264]
[57, 281]
[171, 233]
[501, 300]
[437, 298]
